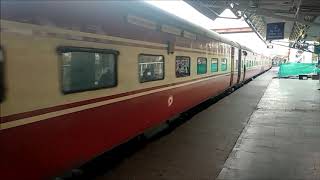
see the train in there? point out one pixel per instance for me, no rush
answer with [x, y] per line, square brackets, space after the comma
[80, 78]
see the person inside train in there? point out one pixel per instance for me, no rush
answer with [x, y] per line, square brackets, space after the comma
[179, 70]
[106, 78]
[148, 74]
[182, 70]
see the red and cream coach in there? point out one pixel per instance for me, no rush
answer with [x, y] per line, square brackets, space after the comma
[79, 78]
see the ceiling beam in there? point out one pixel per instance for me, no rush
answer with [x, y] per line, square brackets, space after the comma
[267, 13]
[233, 30]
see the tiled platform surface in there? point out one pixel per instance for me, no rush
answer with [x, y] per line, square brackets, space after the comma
[199, 148]
[282, 138]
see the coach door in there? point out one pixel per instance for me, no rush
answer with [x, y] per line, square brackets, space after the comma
[239, 66]
[244, 64]
[232, 66]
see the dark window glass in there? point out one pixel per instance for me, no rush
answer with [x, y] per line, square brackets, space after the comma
[1, 75]
[224, 64]
[201, 65]
[151, 67]
[87, 69]
[182, 66]
[214, 65]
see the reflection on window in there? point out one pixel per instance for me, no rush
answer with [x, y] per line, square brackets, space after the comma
[182, 66]
[201, 65]
[1, 75]
[151, 68]
[248, 63]
[223, 64]
[87, 70]
[214, 65]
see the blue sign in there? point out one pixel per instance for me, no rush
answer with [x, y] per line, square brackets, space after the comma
[275, 31]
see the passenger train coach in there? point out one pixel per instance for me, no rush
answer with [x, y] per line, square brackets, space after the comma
[79, 78]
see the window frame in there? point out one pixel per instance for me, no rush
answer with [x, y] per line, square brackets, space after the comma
[164, 62]
[66, 49]
[217, 59]
[189, 66]
[206, 66]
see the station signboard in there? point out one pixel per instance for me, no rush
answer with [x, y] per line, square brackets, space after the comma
[275, 31]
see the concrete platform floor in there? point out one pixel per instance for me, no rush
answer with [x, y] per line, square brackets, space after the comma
[198, 148]
[282, 138]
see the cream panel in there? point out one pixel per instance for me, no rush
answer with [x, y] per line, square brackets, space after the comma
[33, 70]
[33, 73]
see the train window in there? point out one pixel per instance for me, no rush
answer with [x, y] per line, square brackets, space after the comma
[224, 64]
[151, 67]
[214, 65]
[1, 75]
[182, 66]
[87, 69]
[201, 65]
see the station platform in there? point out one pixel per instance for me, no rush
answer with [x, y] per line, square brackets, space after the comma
[267, 129]
[282, 138]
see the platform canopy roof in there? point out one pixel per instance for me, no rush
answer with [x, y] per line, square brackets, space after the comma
[301, 17]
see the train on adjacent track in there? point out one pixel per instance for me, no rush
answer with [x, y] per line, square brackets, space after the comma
[80, 78]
